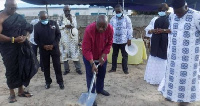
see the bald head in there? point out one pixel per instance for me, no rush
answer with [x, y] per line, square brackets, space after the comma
[66, 7]
[10, 2]
[10, 7]
[102, 23]
[66, 10]
[102, 19]
[43, 15]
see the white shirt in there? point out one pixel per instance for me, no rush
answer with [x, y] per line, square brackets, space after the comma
[150, 26]
[33, 22]
[123, 30]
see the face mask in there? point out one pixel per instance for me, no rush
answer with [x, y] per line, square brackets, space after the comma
[119, 15]
[45, 22]
[161, 13]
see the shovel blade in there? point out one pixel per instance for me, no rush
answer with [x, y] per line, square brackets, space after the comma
[86, 99]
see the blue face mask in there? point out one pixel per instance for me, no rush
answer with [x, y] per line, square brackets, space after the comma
[45, 22]
[119, 15]
[161, 13]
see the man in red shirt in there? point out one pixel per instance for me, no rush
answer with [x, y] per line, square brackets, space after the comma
[97, 41]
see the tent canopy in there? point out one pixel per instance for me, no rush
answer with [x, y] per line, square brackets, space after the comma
[145, 5]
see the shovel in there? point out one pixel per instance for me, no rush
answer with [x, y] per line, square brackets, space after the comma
[87, 99]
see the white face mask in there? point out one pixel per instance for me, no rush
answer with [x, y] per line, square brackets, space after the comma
[161, 13]
[45, 22]
[119, 15]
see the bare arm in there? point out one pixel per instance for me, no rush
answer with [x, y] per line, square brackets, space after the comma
[158, 31]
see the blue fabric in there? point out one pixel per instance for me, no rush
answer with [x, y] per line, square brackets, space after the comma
[178, 3]
[144, 5]
[100, 76]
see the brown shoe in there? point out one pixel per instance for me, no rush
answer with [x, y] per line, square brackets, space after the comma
[112, 71]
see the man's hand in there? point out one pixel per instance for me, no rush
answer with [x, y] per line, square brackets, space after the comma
[23, 39]
[19, 39]
[48, 47]
[101, 61]
[159, 31]
[129, 42]
[68, 26]
[154, 31]
[69, 17]
[94, 68]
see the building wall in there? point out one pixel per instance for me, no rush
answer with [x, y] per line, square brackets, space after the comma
[139, 23]
[84, 20]
[59, 11]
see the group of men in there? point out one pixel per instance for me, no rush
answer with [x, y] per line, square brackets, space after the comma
[175, 42]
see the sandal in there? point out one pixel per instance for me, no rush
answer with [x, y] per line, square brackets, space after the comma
[12, 99]
[25, 94]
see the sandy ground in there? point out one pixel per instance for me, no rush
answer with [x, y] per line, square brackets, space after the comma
[125, 90]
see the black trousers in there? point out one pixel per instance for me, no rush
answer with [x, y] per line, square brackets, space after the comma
[116, 48]
[45, 56]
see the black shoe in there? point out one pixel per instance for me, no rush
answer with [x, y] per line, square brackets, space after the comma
[103, 92]
[112, 71]
[47, 86]
[95, 103]
[183, 104]
[167, 99]
[79, 72]
[66, 72]
[42, 69]
[126, 72]
[62, 86]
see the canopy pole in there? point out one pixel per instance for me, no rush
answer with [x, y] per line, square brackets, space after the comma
[108, 11]
[98, 10]
[195, 5]
[47, 9]
[123, 5]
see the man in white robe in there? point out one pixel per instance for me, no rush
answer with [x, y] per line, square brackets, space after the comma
[181, 82]
[69, 41]
[156, 65]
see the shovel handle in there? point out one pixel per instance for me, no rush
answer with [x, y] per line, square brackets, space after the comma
[93, 79]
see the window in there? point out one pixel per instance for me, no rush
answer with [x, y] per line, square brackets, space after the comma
[102, 13]
[77, 13]
[94, 13]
